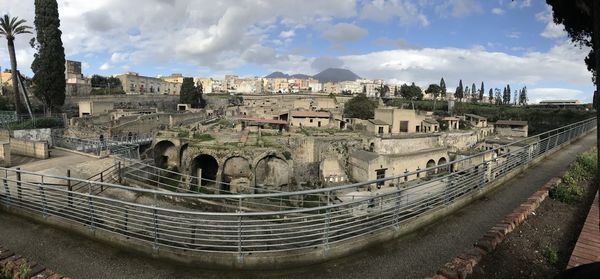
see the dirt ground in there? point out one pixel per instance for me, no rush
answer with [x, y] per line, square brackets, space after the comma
[542, 245]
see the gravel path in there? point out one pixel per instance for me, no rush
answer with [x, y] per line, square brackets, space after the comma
[414, 256]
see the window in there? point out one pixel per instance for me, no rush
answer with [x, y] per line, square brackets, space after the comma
[380, 130]
[311, 120]
[417, 129]
[403, 126]
[319, 124]
[380, 175]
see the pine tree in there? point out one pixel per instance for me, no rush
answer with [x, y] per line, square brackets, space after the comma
[443, 86]
[49, 62]
[474, 92]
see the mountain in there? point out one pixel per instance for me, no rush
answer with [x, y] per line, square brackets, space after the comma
[277, 75]
[300, 76]
[336, 75]
[328, 75]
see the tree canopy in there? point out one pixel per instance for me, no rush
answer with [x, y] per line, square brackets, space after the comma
[411, 92]
[435, 90]
[190, 94]
[49, 62]
[460, 91]
[360, 107]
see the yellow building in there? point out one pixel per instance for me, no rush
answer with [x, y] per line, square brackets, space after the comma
[133, 83]
[406, 121]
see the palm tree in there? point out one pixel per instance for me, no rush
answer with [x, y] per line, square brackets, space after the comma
[9, 28]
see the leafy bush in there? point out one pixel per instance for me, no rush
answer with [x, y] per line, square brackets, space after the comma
[583, 169]
[38, 123]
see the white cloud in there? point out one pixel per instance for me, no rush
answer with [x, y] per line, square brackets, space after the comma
[105, 67]
[497, 11]
[344, 32]
[287, 34]
[407, 12]
[520, 4]
[459, 8]
[563, 63]
[514, 35]
[205, 33]
[552, 30]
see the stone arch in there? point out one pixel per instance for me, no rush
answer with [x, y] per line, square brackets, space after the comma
[208, 166]
[272, 173]
[237, 175]
[165, 154]
[430, 164]
[442, 161]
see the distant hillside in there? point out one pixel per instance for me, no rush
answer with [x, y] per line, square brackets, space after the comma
[336, 75]
[277, 75]
[329, 75]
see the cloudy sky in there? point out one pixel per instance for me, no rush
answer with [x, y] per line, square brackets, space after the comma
[497, 42]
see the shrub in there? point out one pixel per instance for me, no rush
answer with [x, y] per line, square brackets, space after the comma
[583, 169]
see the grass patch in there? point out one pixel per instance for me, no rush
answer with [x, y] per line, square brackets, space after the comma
[583, 169]
[551, 254]
[203, 137]
[183, 134]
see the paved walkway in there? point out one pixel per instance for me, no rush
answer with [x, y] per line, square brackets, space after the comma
[414, 256]
[587, 249]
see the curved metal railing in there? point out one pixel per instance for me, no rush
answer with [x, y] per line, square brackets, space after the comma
[243, 224]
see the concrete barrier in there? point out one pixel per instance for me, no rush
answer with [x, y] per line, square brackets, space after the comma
[29, 148]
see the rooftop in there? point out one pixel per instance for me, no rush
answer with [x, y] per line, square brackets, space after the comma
[378, 122]
[476, 116]
[511, 122]
[320, 114]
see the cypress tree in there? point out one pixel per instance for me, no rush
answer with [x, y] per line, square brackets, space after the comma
[481, 92]
[460, 91]
[49, 62]
[491, 95]
[443, 86]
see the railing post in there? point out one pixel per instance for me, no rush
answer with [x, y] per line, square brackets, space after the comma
[155, 218]
[6, 189]
[19, 190]
[101, 180]
[70, 188]
[327, 224]
[44, 202]
[120, 174]
[126, 220]
[240, 254]
[91, 207]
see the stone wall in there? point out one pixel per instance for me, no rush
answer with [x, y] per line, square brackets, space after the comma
[34, 135]
[5, 154]
[459, 140]
[404, 145]
[29, 148]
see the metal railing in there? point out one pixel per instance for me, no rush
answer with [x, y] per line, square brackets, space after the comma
[120, 145]
[232, 224]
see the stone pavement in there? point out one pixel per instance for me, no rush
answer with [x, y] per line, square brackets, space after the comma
[414, 256]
